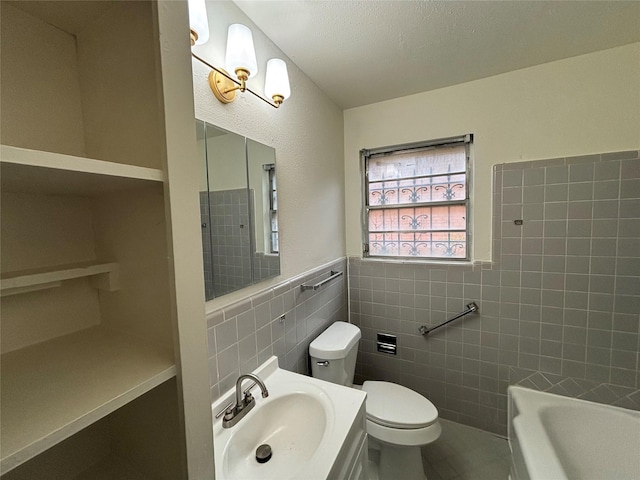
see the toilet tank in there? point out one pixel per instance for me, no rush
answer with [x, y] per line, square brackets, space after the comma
[333, 354]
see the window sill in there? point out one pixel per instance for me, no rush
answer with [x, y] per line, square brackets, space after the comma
[399, 261]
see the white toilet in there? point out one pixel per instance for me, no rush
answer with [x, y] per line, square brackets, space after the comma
[399, 420]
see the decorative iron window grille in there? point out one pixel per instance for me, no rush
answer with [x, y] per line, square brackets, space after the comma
[416, 200]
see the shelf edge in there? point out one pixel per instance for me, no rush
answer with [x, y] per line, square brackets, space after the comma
[19, 457]
[106, 277]
[60, 161]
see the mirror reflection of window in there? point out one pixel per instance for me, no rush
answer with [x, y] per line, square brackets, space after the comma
[238, 203]
[272, 211]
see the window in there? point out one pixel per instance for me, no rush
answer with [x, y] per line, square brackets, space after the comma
[416, 201]
[270, 171]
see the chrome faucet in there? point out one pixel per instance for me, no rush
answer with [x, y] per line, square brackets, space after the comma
[234, 413]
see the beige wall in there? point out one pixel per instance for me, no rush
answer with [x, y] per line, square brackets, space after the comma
[307, 133]
[227, 165]
[116, 127]
[44, 51]
[582, 105]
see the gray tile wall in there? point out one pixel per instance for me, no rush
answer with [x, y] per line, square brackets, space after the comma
[281, 320]
[265, 266]
[231, 250]
[558, 306]
[226, 245]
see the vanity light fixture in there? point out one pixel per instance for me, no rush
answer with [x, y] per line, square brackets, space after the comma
[240, 59]
[198, 23]
[276, 84]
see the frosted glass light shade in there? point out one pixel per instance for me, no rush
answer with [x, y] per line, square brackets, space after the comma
[277, 79]
[240, 51]
[198, 21]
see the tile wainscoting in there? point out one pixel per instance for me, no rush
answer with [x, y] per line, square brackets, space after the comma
[558, 306]
[281, 320]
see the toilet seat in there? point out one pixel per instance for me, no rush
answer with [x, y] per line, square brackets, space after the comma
[394, 406]
[414, 437]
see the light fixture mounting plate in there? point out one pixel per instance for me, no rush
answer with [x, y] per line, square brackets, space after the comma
[222, 87]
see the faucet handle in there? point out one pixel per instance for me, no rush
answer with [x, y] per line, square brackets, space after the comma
[248, 398]
[225, 409]
[228, 414]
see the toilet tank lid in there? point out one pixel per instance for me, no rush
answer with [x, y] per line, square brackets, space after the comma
[335, 342]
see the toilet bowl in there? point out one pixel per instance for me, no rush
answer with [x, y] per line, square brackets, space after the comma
[399, 420]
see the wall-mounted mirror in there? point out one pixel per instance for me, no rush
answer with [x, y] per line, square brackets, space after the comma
[238, 210]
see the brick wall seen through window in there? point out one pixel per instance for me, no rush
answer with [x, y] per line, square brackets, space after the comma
[416, 201]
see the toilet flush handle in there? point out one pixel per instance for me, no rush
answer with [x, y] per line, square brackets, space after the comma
[323, 364]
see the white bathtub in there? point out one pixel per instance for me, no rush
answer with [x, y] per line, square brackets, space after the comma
[559, 438]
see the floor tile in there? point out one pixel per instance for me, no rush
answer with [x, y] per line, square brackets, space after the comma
[466, 453]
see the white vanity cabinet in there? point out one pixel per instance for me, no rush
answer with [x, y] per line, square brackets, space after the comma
[94, 379]
[352, 462]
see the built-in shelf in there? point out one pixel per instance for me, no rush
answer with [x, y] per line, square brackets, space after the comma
[36, 171]
[111, 468]
[103, 276]
[54, 389]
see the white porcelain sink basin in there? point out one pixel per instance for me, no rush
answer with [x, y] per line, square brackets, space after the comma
[300, 421]
[292, 424]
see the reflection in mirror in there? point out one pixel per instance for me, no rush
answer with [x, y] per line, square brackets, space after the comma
[238, 208]
[261, 161]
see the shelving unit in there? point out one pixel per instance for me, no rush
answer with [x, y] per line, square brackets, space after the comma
[88, 368]
[35, 171]
[103, 276]
[54, 389]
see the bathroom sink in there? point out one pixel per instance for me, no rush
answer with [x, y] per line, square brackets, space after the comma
[300, 421]
[293, 425]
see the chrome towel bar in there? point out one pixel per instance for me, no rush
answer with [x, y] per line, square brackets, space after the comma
[471, 308]
[334, 274]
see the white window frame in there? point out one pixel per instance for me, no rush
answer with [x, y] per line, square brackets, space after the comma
[271, 209]
[367, 154]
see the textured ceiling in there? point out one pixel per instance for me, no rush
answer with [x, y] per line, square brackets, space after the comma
[362, 52]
